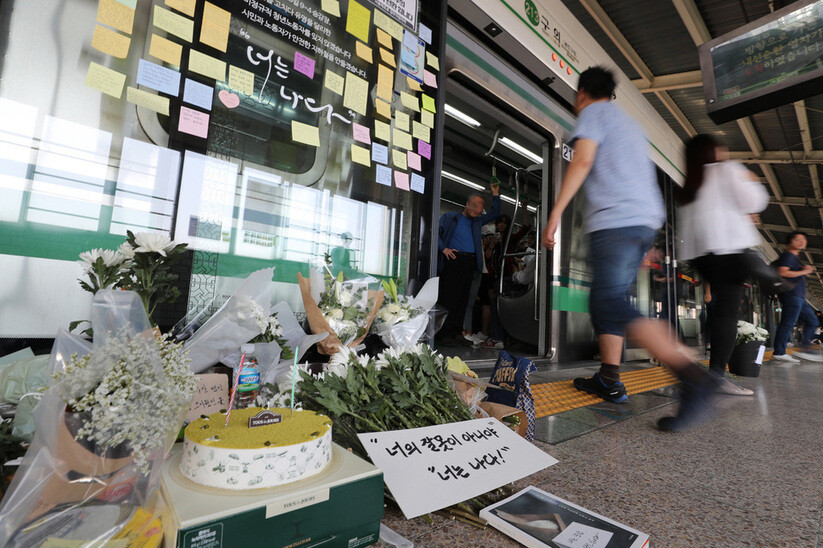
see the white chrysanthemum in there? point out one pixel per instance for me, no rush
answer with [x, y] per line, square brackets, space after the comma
[126, 250]
[110, 258]
[339, 363]
[344, 297]
[152, 242]
[335, 314]
[275, 327]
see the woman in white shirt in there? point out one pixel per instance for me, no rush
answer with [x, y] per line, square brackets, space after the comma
[715, 222]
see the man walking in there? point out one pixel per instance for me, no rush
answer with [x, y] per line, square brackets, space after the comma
[794, 302]
[461, 259]
[624, 209]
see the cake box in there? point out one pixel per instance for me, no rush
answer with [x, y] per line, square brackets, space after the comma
[340, 507]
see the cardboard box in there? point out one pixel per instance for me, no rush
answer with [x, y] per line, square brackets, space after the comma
[498, 411]
[340, 507]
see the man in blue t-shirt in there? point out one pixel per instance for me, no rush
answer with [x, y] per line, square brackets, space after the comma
[794, 302]
[623, 211]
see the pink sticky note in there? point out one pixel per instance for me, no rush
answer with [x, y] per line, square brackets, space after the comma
[194, 122]
[304, 64]
[401, 180]
[413, 160]
[361, 133]
[425, 149]
[429, 79]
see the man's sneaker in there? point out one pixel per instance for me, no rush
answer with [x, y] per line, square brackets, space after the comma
[785, 358]
[477, 338]
[732, 389]
[491, 343]
[615, 392]
[695, 404]
[810, 356]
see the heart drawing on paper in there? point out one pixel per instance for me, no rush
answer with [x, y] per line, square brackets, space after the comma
[231, 100]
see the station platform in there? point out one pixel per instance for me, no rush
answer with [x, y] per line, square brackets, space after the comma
[750, 477]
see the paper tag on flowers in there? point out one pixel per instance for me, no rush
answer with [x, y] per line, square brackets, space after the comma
[433, 467]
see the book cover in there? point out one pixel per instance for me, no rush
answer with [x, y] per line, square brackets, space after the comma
[538, 519]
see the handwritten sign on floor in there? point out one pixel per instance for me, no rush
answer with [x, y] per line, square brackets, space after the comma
[433, 467]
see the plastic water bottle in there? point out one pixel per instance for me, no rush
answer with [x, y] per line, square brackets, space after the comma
[248, 381]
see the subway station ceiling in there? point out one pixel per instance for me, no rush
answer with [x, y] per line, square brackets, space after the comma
[655, 43]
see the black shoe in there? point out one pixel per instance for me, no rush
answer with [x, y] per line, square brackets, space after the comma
[615, 392]
[695, 405]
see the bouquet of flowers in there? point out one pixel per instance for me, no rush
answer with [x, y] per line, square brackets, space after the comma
[747, 332]
[402, 320]
[270, 331]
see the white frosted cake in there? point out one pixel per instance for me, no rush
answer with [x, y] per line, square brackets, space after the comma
[239, 457]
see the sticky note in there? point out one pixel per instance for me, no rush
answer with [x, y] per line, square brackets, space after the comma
[115, 15]
[183, 6]
[382, 131]
[432, 61]
[110, 42]
[401, 180]
[413, 85]
[429, 79]
[383, 108]
[304, 133]
[194, 122]
[106, 80]
[409, 101]
[207, 65]
[424, 149]
[332, 7]
[399, 159]
[356, 93]
[141, 98]
[214, 28]
[387, 57]
[583, 536]
[361, 133]
[421, 131]
[173, 23]
[379, 153]
[358, 21]
[360, 155]
[385, 82]
[363, 51]
[241, 80]
[304, 64]
[229, 99]
[383, 175]
[428, 103]
[413, 159]
[334, 82]
[156, 77]
[392, 27]
[418, 183]
[402, 121]
[165, 50]
[427, 118]
[384, 39]
[401, 139]
[425, 33]
[197, 94]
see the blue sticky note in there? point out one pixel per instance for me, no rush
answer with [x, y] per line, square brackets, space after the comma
[425, 34]
[384, 175]
[160, 78]
[197, 94]
[418, 183]
[379, 153]
[408, 52]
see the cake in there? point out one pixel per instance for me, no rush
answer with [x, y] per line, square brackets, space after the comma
[241, 457]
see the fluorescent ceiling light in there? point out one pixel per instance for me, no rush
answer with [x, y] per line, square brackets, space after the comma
[462, 181]
[465, 118]
[512, 201]
[520, 149]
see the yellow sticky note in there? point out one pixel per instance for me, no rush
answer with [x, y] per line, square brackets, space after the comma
[360, 155]
[384, 39]
[304, 133]
[207, 65]
[110, 42]
[173, 23]
[332, 7]
[421, 131]
[428, 102]
[141, 98]
[106, 80]
[382, 131]
[432, 61]
[402, 139]
[387, 57]
[399, 159]
[385, 82]
[356, 93]
[165, 50]
[183, 6]
[334, 82]
[383, 108]
[241, 80]
[358, 21]
[427, 118]
[413, 85]
[392, 27]
[214, 29]
[115, 15]
[402, 121]
[409, 101]
[363, 51]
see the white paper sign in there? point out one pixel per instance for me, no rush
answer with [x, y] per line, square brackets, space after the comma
[760, 352]
[577, 535]
[429, 468]
[211, 396]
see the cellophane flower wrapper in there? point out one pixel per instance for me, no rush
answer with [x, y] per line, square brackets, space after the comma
[407, 332]
[81, 479]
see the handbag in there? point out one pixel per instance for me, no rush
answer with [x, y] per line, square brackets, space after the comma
[771, 282]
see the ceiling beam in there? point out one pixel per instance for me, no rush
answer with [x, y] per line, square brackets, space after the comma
[668, 82]
[693, 20]
[777, 156]
[675, 111]
[806, 136]
[784, 228]
[797, 201]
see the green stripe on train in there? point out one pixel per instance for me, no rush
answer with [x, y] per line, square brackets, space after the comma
[568, 299]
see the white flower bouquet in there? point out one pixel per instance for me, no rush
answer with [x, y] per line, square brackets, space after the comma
[402, 320]
[747, 332]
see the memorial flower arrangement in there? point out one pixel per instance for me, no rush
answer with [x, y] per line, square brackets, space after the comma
[747, 332]
[397, 308]
[402, 319]
[345, 306]
[270, 330]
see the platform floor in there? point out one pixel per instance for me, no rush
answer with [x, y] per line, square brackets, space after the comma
[751, 477]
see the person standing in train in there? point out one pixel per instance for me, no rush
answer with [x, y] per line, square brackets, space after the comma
[716, 203]
[624, 209]
[461, 260]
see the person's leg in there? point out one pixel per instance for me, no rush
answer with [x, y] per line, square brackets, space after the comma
[471, 299]
[810, 323]
[447, 291]
[788, 318]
